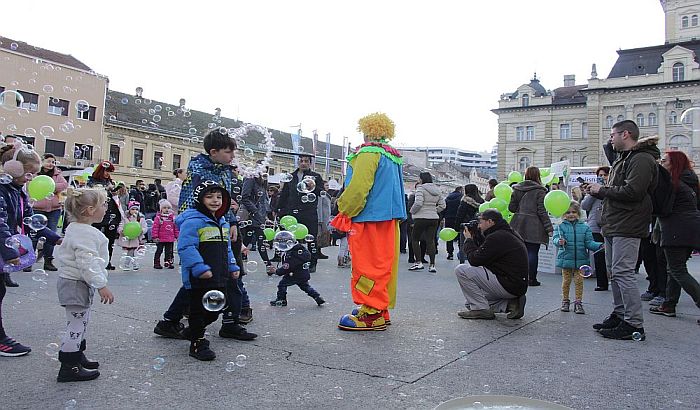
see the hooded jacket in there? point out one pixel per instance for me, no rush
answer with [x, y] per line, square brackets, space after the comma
[164, 228]
[530, 218]
[627, 203]
[201, 168]
[579, 240]
[254, 199]
[468, 207]
[503, 253]
[428, 202]
[451, 204]
[295, 264]
[681, 227]
[203, 244]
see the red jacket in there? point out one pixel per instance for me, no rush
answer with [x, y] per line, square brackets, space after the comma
[164, 228]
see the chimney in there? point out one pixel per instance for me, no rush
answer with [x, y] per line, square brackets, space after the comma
[569, 80]
[139, 92]
[594, 71]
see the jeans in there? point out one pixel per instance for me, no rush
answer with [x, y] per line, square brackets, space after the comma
[601, 269]
[533, 259]
[288, 281]
[52, 224]
[169, 258]
[621, 257]
[677, 259]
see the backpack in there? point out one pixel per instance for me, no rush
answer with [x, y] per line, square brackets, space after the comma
[662, 194]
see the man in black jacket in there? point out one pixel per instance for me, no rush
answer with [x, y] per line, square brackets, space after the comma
[450, 215]
[495, 277]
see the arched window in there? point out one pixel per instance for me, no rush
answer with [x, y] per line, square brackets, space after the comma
[526, 100]
[652, 119]
[620, 118]
[524, 163]
[680, 143]
[684, 22]
[678, 72]
[694, 20]
[640, 120]
[673, 118]
[583, 160]
[609, 121]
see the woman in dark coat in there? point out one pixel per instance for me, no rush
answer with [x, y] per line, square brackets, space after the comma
[101, 176]
[680, 232]
[467, 210]
[530, 218]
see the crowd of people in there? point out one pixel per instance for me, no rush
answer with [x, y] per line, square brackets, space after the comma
[214, 217]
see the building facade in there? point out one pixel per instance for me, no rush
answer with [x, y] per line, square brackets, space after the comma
[653, 86]
[464, 159]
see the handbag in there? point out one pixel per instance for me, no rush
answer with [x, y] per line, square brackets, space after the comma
[27, 257]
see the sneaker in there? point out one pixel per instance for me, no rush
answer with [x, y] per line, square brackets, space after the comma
[199, 349]
[624, 331]
[169, 329]
[416, 266]
[319, 300]
[578, 308]
[432, 269]
[534, 283]
[611, 322]
[9, 347]
[246, 315]
[157, 266]
[516, 307]
[48, 265]
[647, 296]
[278, 302]
[657, 301]
[236, 331]
[485, 314]
[363, 322]
[565, 305]
[110, 267]
[663, 310]
[385, 313]
[321, 256]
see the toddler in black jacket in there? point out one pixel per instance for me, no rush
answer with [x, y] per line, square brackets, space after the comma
[294, 270]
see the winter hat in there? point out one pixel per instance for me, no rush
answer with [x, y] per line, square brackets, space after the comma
[164, 202]
[134, 205]
[208, 186]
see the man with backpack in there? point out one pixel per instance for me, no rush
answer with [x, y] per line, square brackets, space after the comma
[627, 210]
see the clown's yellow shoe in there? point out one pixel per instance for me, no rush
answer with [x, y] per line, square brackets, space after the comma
[363, 321]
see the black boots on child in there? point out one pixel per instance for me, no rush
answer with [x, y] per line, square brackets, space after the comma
[72, 370]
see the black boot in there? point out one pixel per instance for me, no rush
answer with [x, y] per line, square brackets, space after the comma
[246, 315]
[235, 331]
[9, 282]
[87, 364]
[278, 302]
[319, 300]
[48, 264]
[71, 370]
[199, 349]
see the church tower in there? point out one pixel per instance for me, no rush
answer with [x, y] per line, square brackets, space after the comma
[682, 20]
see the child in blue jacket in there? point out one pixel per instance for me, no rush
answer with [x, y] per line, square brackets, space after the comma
[573, 240]
[206, 256]
[294, 270]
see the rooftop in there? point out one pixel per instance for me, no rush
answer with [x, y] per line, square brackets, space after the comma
[42, 54]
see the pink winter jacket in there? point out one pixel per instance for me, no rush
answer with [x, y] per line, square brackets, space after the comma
[164, 228]
[52, 204]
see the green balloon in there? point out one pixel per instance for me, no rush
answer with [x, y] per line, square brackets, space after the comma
[557, 203]
[132, 230]
[300, 232]
[269, 234]
[499, 204]
[40, 187]
[447, 234]
[288, 220]
[515, 176]
[544, 172]
[484, 207]
[508, 216]
[503, 191]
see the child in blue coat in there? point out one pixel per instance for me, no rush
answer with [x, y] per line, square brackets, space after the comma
[573, 239]
[206, 257]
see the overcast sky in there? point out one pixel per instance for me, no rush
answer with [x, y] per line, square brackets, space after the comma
[436, 68]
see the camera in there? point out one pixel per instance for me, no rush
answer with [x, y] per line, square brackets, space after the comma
[473, 228]
[472, 225]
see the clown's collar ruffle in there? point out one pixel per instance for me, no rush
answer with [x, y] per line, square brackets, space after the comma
[387, 150]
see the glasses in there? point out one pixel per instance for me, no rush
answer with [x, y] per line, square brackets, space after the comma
[617, 132]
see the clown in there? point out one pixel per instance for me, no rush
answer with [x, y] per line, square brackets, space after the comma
[370, 210]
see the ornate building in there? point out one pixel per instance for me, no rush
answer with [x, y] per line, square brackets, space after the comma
[654, 86]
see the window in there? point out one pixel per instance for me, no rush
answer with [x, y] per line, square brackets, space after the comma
[82, 151]
[519, 133]
[620, 118]
[530, 133]
[157, 159]
[684, 22]
[652, 119]
[138, 157]
[524, 163]
[687, 119]
[583, 160]
[58, 148]
[114, 153]
[640, 120]
[58, 106]
[177, 161]
[609, 121]
[87, 115]
[679, 143]
[678, 72]
[526, 100]
[584, 130]
[694, 20]
[31, 101]
[564, 131]
[673, 118]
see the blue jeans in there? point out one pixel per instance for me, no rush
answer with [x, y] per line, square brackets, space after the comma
[533, 259]
[52, 224]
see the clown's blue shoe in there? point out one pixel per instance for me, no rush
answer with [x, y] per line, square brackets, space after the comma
[363, 321]
[385, 313]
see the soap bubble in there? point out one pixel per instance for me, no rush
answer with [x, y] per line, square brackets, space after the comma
[439, 344]
[637, 336]
[251, 266]
[286, 177]
[311, 197]
[306, 185]
[241, 360]
[586, 271]
[70, 404]
[39, 275]
[52, 350]
[140, 251]
[691, 119]
[36, 222]
[48, 88]
[126, 263]
[46, 131]
[5, 179]
[12, 242]
[158, 363]
[82, 106]
[97, 265]
[214, 300]
[230, 366]
[248, 153]
[283, 241]
[309, 238]
[10, 100]
[149, 223]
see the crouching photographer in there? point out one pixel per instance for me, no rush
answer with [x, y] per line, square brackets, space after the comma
[494, 279]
